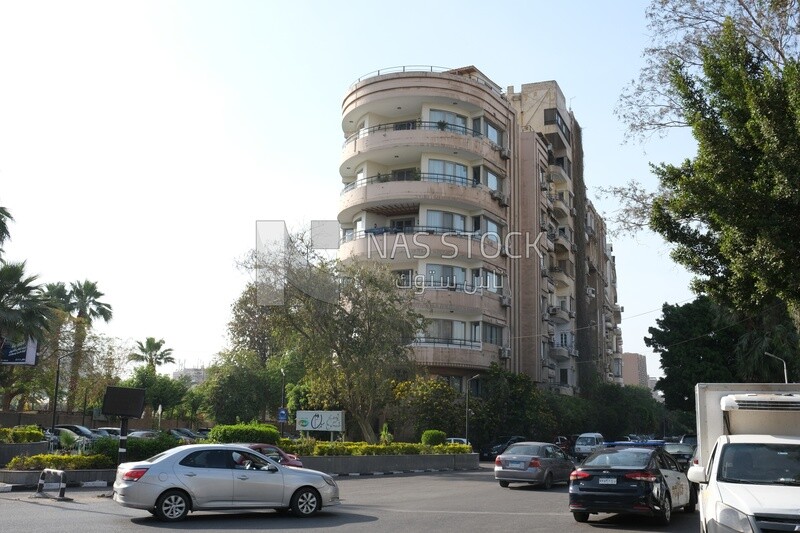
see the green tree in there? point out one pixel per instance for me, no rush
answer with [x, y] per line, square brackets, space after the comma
[354, 328]
[24, 313]
[84, 302]
[696, 346]
[427, 403]
[5, 233]
[159, 389]
[236, 387]
[151, 353]
[248, 328]
[679, 30]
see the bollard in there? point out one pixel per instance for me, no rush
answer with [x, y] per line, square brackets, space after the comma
[62, 484]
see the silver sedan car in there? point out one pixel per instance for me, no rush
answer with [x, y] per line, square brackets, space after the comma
[206, 477]
[536, 463]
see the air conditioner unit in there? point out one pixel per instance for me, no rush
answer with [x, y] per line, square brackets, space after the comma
[505, 352]
[503, 200]
[545, 273]
[553, 310]
[572, 314]
[505, 301]
[543, 186]
[573, 211]
[505, 153]
[591, 292]
[574, 247]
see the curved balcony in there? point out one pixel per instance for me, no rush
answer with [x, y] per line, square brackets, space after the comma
[559, 352]
[399, 142]
[462, 299]
[425, 242]
[560, 277]
[444, 353]
[387, 193]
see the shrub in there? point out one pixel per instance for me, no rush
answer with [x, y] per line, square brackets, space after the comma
[60, 462]
[334, 448]
[303, 446]
[432, 437]
[245, 433]
[21, 435]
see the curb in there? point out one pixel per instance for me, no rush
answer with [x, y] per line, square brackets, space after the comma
[399, 472]
[5, 487]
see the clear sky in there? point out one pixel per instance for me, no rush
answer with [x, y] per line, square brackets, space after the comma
[140, 141]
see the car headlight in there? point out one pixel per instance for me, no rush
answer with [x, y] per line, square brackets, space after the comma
[329, 480]
[732, 518]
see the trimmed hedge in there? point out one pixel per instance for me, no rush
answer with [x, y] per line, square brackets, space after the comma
[432, 437]
[61, 462]
[21, 435]
[136, 449]
[245, 433]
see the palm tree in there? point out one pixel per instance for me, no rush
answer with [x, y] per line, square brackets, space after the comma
[5, 217]
[150, 352]
[84, 302]
[24, 313]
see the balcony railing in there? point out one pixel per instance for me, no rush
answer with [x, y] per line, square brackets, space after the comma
[430, 177]
[447, 341]
[442, 284]
[429, 68]
[414, 125]
[430, 230]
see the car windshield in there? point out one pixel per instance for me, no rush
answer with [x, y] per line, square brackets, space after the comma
[760, 463]
[584, 441]
[620, 458]
[522, 449]
[684, 449]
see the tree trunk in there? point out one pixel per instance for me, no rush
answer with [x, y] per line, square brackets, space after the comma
[76, 361]
[366, 429]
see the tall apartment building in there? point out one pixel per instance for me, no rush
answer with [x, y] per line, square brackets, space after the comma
[634, 370]
[475, 198]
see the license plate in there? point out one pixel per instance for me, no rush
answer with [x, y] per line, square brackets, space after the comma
[516, 464]
[607, 481]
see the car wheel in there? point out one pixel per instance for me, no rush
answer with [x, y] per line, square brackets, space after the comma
[548, 481]
[665, 517]
[581, 517]
[172, 506]
[692, 505]
[305, 502]
[503, 484]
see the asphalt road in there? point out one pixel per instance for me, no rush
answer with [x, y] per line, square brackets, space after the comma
[433, 502]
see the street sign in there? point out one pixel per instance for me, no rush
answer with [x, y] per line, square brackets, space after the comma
[23, 353]
[320, 420]
[283, 414]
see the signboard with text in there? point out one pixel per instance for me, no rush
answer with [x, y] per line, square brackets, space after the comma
[23, 353]
[320, 420]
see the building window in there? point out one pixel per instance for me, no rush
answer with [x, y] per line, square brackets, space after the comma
[402, 224]
[446, 221]
[445, 276]
[447, 171]
[347, 234]
[493, 181]
[563, 375]
[447, 331]
[492, 231]
[449, 121]
[405, 278]
[494, 134]
[492, 334]
[552, 116]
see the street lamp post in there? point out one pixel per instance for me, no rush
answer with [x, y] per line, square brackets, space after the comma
[283, 395]
[785, 374]
[55, 391]
[466, 411]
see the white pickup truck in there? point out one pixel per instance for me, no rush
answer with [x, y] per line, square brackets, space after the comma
[748, 474]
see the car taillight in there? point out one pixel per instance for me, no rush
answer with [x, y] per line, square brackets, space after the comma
[579, 474]
[497, 461]
[535, 463]
[134, 474]
[641, 476]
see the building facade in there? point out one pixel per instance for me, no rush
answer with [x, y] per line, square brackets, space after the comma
[634, 370]
[474, 196]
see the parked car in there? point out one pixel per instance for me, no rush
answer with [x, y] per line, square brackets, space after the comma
[100, 433]
[113, 431]
[536, 463]
[689, 438]
[497, 447]
[205, 477]
[182, 437]
[682, 453]
[189, 433]
[632, 478]
[276, 454]
[586, 443]
[82, 431]
[66, 438]
[140, 434]
[456, 440]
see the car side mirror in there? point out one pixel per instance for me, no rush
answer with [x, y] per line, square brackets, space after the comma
[271, 468]
[697, 474]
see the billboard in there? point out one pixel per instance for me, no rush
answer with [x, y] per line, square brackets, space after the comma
[23, 353]
[126, 402]
[320, 420]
